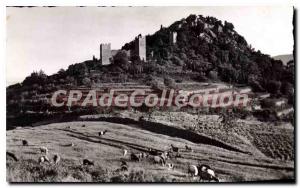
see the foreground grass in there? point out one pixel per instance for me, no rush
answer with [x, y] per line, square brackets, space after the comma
[31, 171]
[107, 153]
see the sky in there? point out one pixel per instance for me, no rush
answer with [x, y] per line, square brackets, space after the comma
[48, 39]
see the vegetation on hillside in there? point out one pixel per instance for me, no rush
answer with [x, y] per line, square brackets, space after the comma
[206, 50]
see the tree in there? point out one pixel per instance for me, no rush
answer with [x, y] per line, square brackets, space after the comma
[228, 26]
[273, 86]
[287, 89]
[213, 75]
[169, 82]
[38, 78]
[86, 81]
[121, 59]
[61, 71]
[177, 61]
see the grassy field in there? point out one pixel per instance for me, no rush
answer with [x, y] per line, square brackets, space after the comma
[107, 152]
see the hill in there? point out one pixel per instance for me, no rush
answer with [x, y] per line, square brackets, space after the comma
[284, 58]
[107, 151]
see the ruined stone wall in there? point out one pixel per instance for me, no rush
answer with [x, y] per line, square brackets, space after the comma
[105, 53]
[140, 47]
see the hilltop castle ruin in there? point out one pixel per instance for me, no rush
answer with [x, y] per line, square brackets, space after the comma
[105, 54]
[140, 47]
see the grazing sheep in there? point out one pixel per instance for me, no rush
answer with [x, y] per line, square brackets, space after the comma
[56, 158]
[170, 166]
[206, 173]
[175, 149]
[124, 166]
[102, 132]
[12, 155]
[193, 170]
[136, 157]
[165, 155]
[25, 142]
[43, 159]
[159, 160]
[168, 154]
[144, 155]
[125, 152]
[43, 149]
[153, 152]
[88, 162]
[171, 154]
[187, 148]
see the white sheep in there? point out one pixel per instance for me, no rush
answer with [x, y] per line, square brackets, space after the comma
[125, 152]
[43, 159]
[102, 132]
[159, 160]
[193, 170]
[170, 166]
[188, 148]
[206, 173]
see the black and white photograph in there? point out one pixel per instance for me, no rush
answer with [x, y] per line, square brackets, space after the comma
[150, 94]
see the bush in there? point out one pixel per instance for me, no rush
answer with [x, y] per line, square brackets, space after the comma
[169, 82]
[177, 61]
[213, 75]
[273, 86]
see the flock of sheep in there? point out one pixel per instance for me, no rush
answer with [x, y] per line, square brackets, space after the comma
[203, 171]
[158, 157]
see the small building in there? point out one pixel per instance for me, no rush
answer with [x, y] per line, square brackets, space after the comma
[274, 103]
[262, 96]
[257, 107]
[244, 90]
[284, 112]
[279, 102]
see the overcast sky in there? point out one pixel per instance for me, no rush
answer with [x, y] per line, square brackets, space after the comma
[53, 38]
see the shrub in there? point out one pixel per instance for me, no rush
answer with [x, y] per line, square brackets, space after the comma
[213, 75]
[169, 82]
[177, 61]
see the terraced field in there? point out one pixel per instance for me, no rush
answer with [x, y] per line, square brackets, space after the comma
[276, 142]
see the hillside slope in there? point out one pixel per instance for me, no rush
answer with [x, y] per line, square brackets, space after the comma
[206, 49]
[107, 152]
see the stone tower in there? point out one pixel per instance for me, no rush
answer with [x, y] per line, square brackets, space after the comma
[173, 38]
[105, 54]
[140, 47]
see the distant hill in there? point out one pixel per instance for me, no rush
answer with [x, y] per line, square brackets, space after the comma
[284, 58]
